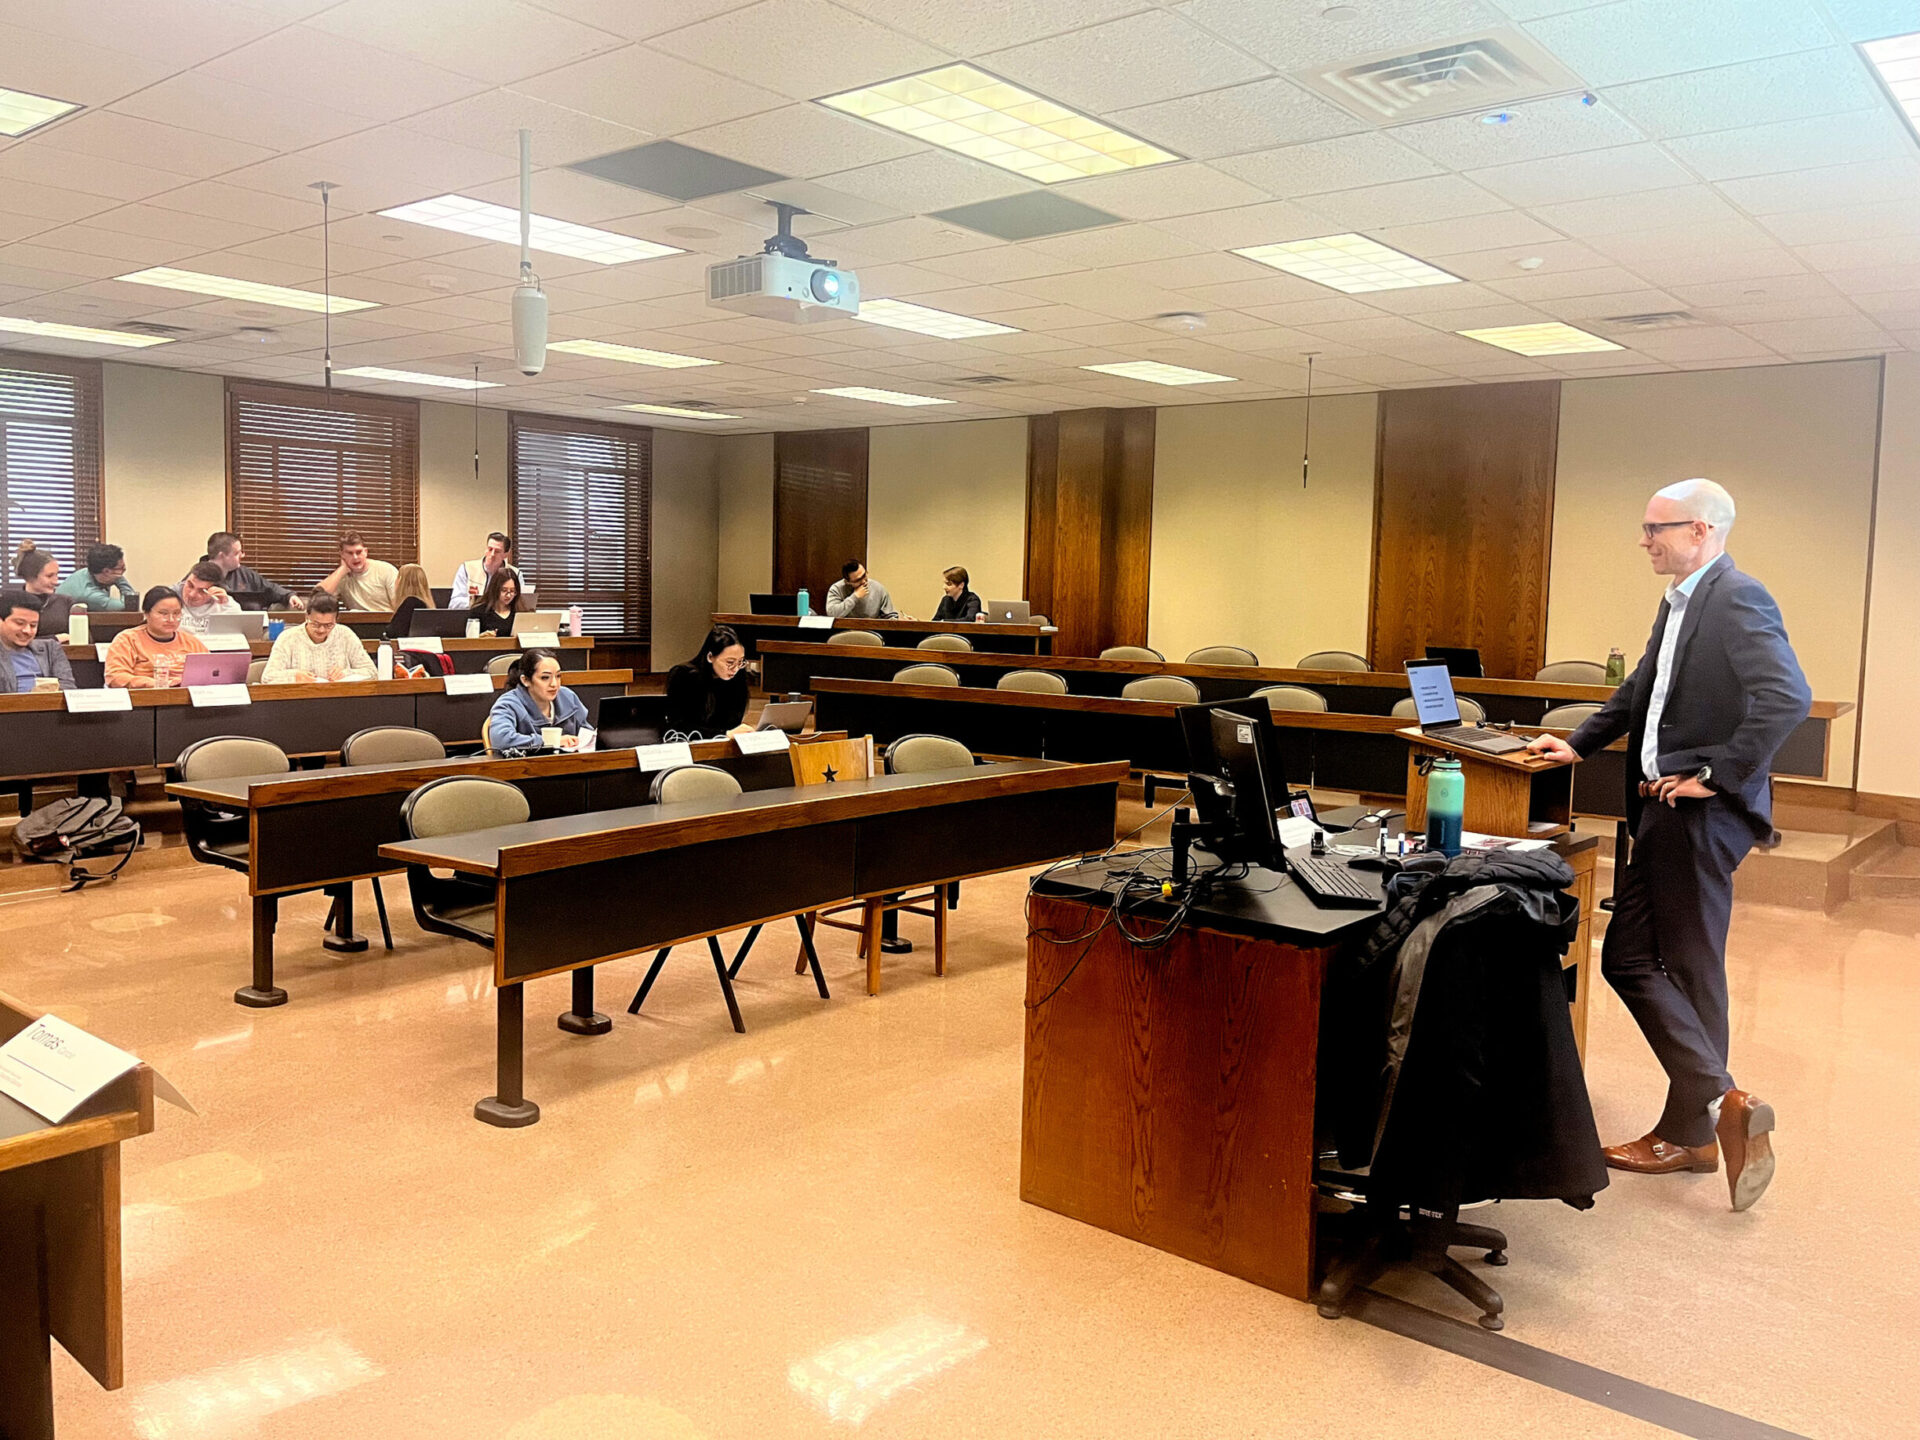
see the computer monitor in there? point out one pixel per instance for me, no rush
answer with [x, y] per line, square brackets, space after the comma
[1459, 659]
[446, 624]
[1237, 778]
[625, 721]
[774, 604]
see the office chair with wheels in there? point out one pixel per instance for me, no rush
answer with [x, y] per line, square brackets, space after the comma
[1472, 712]
[685, 783]
[1222, 655]
[1402, 1237]
[1333, 660]
[1035, 682]
[1290, 697]
[855, 637]
[1176, 688]
[927, 674]
[1133, 652]
[945, 642]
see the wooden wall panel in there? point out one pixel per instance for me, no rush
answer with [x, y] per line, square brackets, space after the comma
[819, 508]
[1090, 525]
[1463, 523]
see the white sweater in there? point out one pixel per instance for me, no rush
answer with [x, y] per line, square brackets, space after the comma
[344, 656]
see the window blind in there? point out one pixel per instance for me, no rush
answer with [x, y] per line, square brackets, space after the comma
[50, 489]
[581, 498]
[301, 472]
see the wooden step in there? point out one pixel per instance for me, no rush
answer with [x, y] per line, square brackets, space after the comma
[1811, 869]
[1892, 875]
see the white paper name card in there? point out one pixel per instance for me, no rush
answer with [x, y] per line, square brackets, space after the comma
[225, 640]
[761, 742]
[816, 622]
[539, 639]
[100, 650]
[98, 702]
[428, 643]
[664, 757]
[54, 1068]
[211, 697]
[480, 684]
[1296, 830]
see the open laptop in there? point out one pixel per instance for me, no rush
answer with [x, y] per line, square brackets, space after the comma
[222, 667]
[774, 604]
[1439, 712]
[787, 715]
[626, 721]
[445, 624]
[1007, 612]
[250, 623]
[539, 622]
[1463, 660]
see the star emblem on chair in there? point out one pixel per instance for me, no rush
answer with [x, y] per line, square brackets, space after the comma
[829, 775]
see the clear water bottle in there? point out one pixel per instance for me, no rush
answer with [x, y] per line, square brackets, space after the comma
[77, 631]
[1616, 667]
[803, 602]
[1446, 805]
[383, 665]
[575, 619]
[473, 629]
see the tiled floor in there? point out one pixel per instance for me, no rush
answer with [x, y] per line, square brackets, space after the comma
[813, 1229]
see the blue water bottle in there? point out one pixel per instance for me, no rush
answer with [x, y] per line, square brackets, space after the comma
[803, 602]
[275, 629]
[1446, 802]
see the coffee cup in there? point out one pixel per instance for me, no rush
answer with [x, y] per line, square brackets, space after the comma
[45, 683]
[551, 735]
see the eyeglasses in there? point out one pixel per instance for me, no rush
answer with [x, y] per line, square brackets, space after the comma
[727, 666]
[1657, 526]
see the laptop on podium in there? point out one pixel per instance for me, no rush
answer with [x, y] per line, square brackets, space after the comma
[1439, 711]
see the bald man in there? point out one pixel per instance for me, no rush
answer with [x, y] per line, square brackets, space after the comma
[1715, 696]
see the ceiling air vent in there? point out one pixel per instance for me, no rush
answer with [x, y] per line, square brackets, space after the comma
[1483, 72]
[148, 327]
[980, 380]
[1653, 320]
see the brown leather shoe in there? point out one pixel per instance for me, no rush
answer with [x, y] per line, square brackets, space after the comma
[1650, 1155]
[1745, 1129]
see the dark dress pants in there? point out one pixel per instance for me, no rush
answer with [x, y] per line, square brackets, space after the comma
[1666, 951]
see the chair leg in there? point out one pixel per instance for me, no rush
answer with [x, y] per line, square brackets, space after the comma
[1451, 1272]
[1354, 1272]
[380, 904]
[876, 911]
[808, 957]
[653, 973]
[726, 984]
[806, 923]
[940, 930]
[733, 970]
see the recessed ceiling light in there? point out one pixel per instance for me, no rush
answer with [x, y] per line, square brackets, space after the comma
[1897, 60]
[418, 377]
[924, 320]
[962, 108]
[1156, 373]
[196, 283]
[881, 397]
[1352, 264]
[631, 354]
[48, 330]
[21, 112]
[1552, 338]
[681, 412]
[555, 237]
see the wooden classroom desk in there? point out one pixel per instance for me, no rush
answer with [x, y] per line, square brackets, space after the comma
[367, 624]
[785, 852]
[60, 1239]
[755, 630]
[315, 829]
[469, 656]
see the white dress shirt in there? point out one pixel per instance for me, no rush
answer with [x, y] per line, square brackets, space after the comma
[1678, 596]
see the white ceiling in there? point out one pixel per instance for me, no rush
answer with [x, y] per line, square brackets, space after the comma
[1738, 162]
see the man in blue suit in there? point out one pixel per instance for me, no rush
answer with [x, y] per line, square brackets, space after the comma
[1715, 696]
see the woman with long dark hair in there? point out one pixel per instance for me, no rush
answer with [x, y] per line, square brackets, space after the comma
[707, 696]
[501, 602]
[535, 700]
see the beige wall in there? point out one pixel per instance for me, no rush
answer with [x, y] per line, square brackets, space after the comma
[947, 494]
[1795, 445]
[1890, 695]
[1242, 555]
[165, 467]
[743, 480]
[457, 511]
[686, 542]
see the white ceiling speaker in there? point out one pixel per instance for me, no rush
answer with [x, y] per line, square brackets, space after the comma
[529, 300]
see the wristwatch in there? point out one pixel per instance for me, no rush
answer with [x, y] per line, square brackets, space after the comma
[1705, 776]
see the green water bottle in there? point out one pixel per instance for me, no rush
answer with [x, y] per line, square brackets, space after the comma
[1616, 666]
[1446, 803]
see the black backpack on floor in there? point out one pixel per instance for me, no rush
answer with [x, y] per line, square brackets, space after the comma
[83, 828]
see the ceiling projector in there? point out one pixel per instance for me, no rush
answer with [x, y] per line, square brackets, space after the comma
[783, 282]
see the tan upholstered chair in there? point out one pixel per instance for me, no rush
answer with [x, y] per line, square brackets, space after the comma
[1472, 712]
[215, 836]
[459, 905]
[1176, 688]
[855, 637]
[1222, 655]
[1333, 660]
[927, 675]
[917, 754]
[500, 664]
[1132, 652]
[1291, 697]
[1573, 672]
[1568, 717]
[693, 782]
[1037, 682]
[1038, 620]
[945, 642]
[390, 745]
[255, 669]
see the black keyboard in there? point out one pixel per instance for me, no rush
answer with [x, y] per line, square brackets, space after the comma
[1330, 884]
[1494, 742]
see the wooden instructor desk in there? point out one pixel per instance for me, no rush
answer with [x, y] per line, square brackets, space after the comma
[317, 829]
[573, 892]
[60, 1240]
[756, 630]
[469, 656]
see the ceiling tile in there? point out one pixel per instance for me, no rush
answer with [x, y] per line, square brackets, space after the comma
[1872, 19]
[1345, 163]
[495, 40]
[1794, 144]
[805, 140]
[213, 106]
[1867, 182]
[637, 22]
[1708, 238]
[311, 65]
[1194, 272]
[1645, 210]
[803, 48]
[1861, 222]
[1440, 197]
[914, 238]
[1434, 299]
[1269, 289]
[107, 135]
[1850, 254]
[1585, 309]
[1240, 118]
[1294, 36]
[1100, 293]
[52, 202]
[38, 165]
[1593, 174]
[253, 208]
[1839, 332]
[135, 251]
[1544, 285]
[492, 121]
[1236, 229]
[1558, 125]
[174, 35]
[1114, 245]
[1639, 39]
[1498, 264]
[982, 25]
[377, 170]
[931, 180]
[1135, 61]
[1791, 87]
[998, 264]
[1469, 233]
[643, 89]
[1163, 191]
[1870, 280]
[1692, 269]
[71, 69]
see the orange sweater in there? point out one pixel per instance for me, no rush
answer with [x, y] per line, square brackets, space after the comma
[130, 658]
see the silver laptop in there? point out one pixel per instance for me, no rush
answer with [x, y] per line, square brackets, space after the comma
[1007, 612]
[250, 623]
[538, 622]
[1439, 711]
[787, 715]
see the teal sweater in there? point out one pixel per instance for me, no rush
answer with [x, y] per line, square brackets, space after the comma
[83, 589]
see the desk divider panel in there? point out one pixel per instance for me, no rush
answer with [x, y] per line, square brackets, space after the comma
[298, 726]
[901, 850]
[55, 742]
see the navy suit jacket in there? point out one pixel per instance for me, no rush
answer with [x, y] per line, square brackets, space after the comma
[1735, 696]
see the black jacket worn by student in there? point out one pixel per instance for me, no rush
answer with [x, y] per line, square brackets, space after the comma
[700, 705]
[964, 607]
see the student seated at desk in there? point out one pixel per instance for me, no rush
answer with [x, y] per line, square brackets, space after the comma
[322, 649]
[360, 582]
[503, 599]
[102, 585]
[535, 700]
[203, 596]
[707, 696]
[959, 603]
[151, 656]
[28, 662]
[224, 548]
[39, 573]
[856, 595]
[411, 592]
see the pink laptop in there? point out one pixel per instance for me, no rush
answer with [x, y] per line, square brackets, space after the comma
[227, 667]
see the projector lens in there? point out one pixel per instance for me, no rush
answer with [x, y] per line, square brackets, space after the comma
[825, 286]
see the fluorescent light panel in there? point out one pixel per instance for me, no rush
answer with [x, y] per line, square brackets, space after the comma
[881, 397]
[48, 330]
[680, 412]
[1898, 61]
[555, 237]
[1552, 338]
[962, 108]
[21, 112]
[1352, 264]
[631, 354]
[1155, 373]
[418, 377]
[924, 320]
[196, 283]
